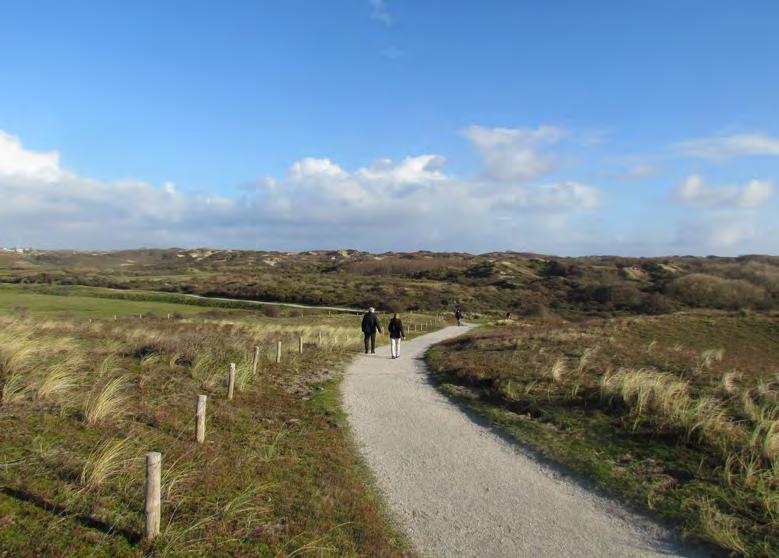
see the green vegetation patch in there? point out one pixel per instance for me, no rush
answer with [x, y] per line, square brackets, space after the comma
[82, 402]
[17, 298]
[677, 414]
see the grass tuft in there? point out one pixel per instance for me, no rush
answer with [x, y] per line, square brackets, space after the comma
[108, 401]
[108, 459]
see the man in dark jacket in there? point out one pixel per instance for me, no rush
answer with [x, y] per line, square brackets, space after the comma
[458, 316]
[396, 333]
[370, 325]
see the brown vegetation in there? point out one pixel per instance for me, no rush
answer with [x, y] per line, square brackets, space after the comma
[497, 282]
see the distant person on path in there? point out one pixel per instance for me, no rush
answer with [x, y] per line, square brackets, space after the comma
[458, 316]
[370, 325]
[396, 333]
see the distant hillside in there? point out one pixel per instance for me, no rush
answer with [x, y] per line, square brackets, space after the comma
[527, 284]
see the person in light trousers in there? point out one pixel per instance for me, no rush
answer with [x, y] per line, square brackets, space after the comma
[396, 333]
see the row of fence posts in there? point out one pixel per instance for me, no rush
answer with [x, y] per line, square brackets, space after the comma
[154, 459]
[140, 317]
[424, 325]
[153, 484]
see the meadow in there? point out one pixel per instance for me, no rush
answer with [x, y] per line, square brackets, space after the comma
[677, 415]
[86, 395]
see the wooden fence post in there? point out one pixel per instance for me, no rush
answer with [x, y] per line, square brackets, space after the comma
[152, 497]
[278, 352]
[200, 419]
[255, 360]
[300, 344]
[230, 381]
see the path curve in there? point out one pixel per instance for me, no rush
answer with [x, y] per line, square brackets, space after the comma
[459, 489]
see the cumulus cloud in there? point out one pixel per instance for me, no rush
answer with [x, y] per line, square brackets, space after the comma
[405, 204]
[17, 161]
[694, 192]
[726, 147]
[516, 154]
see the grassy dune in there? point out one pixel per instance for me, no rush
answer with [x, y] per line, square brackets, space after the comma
[676, 414]
[525, 284]
[83, 400]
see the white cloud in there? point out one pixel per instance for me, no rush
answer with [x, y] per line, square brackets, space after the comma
[380, 12]
[17, 161]
[555, 198]
[406, 204]
[423, 169]
[515, 154]
[694, 192]
[726, 147]
[310, 166]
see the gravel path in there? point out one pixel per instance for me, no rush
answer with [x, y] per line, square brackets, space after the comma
[459, 489]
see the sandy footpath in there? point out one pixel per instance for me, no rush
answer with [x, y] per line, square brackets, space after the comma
[460, 489]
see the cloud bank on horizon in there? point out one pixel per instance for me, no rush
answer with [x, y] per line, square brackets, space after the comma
[513, 203]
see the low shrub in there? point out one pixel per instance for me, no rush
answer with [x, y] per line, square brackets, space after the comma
[707, 291]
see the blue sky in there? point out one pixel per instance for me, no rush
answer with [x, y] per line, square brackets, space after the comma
[625, 127]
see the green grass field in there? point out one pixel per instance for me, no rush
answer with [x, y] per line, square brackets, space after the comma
[15, 298]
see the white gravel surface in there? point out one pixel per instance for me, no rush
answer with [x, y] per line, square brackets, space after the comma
[460, 489]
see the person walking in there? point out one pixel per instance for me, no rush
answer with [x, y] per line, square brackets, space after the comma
[370, 325]
[396, 333]
[458, 316]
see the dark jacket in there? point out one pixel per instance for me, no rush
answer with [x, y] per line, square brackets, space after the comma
[370, 323]
[458, 315]
[395, 328]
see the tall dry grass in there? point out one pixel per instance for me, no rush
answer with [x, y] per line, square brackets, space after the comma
[107, 401]
[108, 459]
[664, 399]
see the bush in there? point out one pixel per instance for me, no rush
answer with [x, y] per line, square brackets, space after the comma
[656, 303]
[623, 297]
[392, 306]
[554, 268]
[707, 291]
[271, 311]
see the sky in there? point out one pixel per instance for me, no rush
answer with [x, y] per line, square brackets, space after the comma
[626, 127]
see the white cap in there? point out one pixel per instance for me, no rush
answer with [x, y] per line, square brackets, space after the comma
[370, 309]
